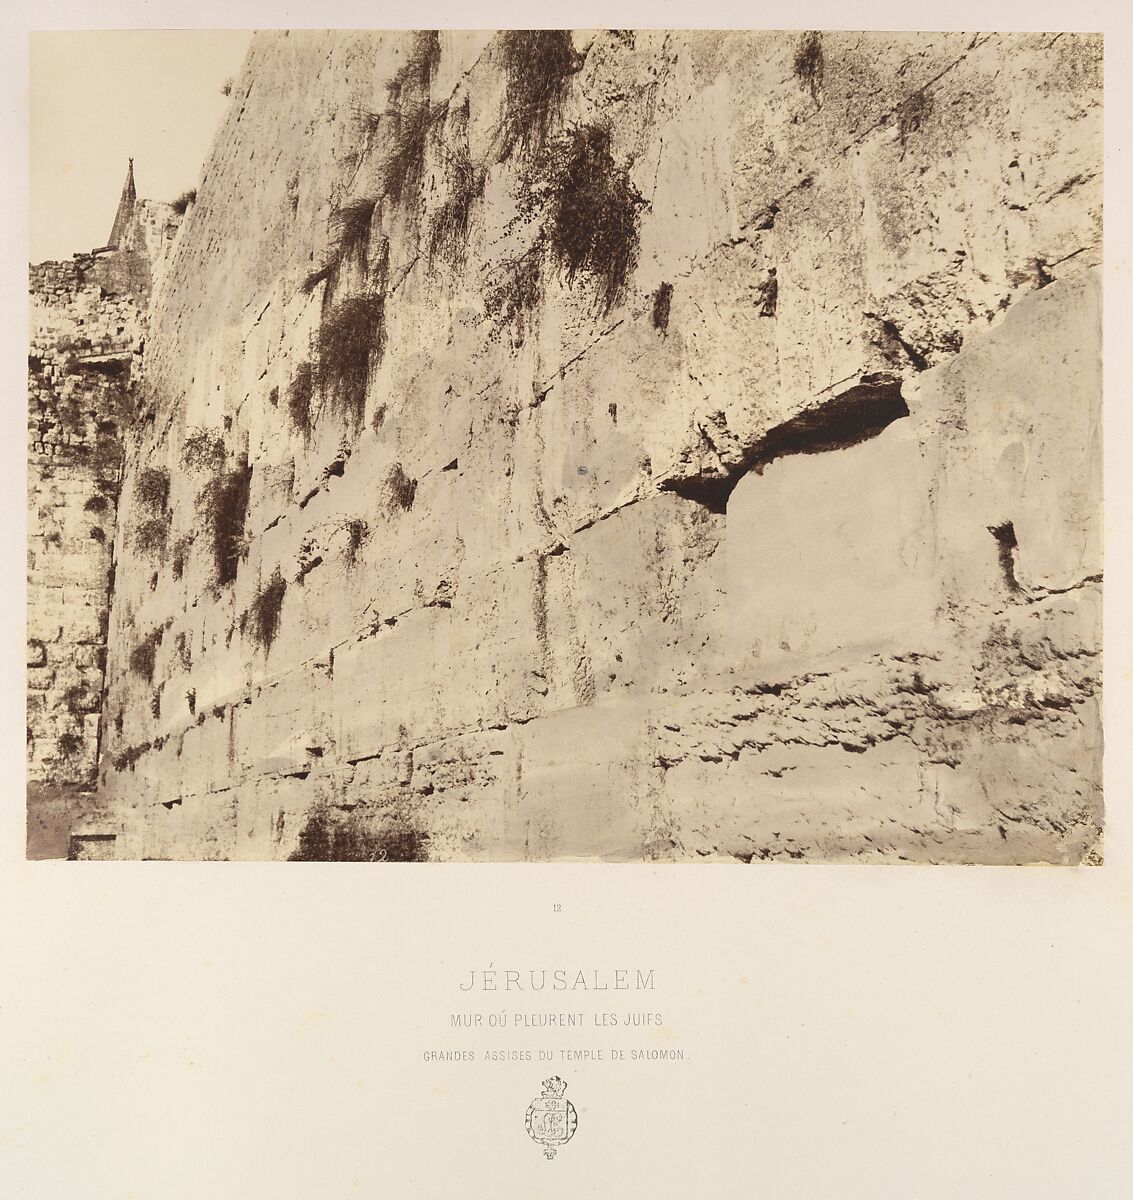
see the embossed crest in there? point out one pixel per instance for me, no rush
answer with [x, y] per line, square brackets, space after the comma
[551, 1118]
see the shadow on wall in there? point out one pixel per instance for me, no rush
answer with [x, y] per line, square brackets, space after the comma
[54, 811]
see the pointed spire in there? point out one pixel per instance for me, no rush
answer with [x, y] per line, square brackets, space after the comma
[125, 209]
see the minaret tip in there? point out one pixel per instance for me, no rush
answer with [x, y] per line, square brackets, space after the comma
[125, 209]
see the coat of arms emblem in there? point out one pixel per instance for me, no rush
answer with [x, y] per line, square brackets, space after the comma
[551, 1119]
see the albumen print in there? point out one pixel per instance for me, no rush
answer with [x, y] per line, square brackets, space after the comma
[610, 445]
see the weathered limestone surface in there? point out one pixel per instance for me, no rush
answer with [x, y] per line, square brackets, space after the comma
[794, 552]
[87, 320]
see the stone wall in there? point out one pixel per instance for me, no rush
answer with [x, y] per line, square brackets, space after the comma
[87, 324]
[703, 464]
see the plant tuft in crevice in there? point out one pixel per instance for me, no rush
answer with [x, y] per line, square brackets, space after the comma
[181, 205]
[810, 64]
[590, 211]
[151, 489]
[352, 223]
[511, 297]
[317, 276]
[403, 167]
[69, 744]
[537, 67]
[408, 118]
[265, 611]
[449, 224]
[299, 393]
[911, 115]
[181, 549]
[357, 532]
[416, 74]
[144, 655]
[400, 489]
[203, 450]
[223, 509]
[349, 344]
[150, 537]
[1006, 545]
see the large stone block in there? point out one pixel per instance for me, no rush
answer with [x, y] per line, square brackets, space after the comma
[832, 550]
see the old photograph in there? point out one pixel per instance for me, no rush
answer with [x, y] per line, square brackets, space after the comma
[619, 446]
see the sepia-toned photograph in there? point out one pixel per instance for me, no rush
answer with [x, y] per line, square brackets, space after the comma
[616, 446]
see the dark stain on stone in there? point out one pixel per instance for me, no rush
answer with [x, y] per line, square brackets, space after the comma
[662, 302]
[1008, 543]
[769, 294]
[911, 115]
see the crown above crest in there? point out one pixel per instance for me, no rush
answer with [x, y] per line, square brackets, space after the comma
[553, 1087]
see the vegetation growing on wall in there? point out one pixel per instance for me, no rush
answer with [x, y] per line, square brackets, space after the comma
[350, 342]
[299, 393]
[662, 303]
[400, 489]
[589, 209]
[203, 450]
[150, 537]
[404, 163]
[451, 220]
[144, 655]
[417, 72]
[408, 118]
[317, 276]
[76, 700]
[69, 744]
[183, 651]
[537, 66]
[351, 225]
[181, 205]
[912, 115]
[512, 294]
[357, 531]
[223, 508]
[180, 554]
[131, 755]
[810, 64]
[151, 489]
[266, 608]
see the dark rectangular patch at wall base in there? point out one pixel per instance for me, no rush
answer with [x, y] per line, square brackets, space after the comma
[100, 846]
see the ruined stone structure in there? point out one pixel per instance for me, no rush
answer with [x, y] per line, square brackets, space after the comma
[626, 446]
[87, 329]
